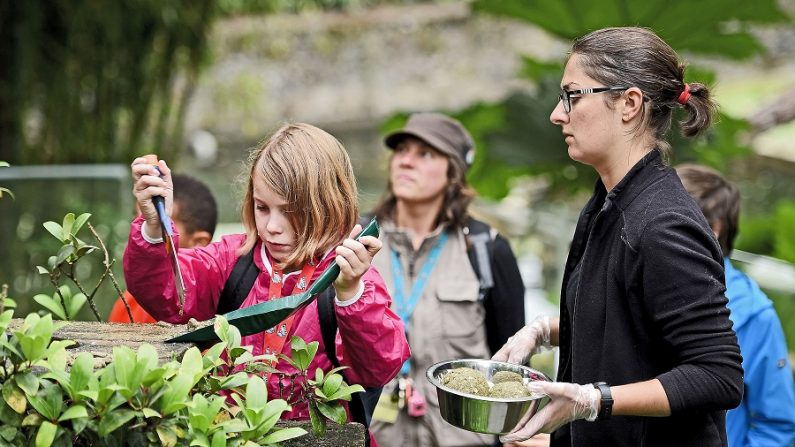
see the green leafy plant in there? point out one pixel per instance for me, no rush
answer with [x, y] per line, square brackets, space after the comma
[133, 400]
[325, 392]
[64, 303]
[214, 399]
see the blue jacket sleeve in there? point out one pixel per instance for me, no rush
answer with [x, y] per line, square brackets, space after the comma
[770, 392]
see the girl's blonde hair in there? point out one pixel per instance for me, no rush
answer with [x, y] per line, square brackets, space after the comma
[311, 171]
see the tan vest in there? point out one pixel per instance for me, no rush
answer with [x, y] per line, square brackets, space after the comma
[447, 323]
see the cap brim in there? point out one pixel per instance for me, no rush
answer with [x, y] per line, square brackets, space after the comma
[393, 139]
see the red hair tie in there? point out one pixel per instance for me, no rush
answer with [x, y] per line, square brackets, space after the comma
[684, 96]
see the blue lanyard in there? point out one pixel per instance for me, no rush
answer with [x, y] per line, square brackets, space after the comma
[405, 305]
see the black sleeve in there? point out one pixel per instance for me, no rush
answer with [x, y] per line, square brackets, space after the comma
[683, 289]
[504, 303]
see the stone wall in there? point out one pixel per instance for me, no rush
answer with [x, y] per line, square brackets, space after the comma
[343, 69]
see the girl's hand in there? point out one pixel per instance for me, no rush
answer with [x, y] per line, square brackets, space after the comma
[147, 183]
[354, 258]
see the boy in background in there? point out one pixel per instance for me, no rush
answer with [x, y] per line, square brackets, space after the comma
[195, 216]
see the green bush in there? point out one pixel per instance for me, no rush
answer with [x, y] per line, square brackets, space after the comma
[136, 401]
[212, 399]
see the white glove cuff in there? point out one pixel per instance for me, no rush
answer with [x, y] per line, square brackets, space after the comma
[544, 335]
[593, 398]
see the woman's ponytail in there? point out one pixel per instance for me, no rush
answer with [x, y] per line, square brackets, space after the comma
[695, 98]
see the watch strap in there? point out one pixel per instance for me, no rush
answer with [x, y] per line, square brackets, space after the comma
[605, 402]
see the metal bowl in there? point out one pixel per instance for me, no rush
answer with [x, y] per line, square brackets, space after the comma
[490, 415]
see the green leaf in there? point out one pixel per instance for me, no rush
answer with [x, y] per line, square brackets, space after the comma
[332, 384]
[8, 432]
[345, 392]
[256, 393]
[76, 411]
[192, 363]
[56, 354]
[46, 434]
[199, 439]
[28, 382]
[79, 222]
[150, 413]
[317, 420]
[64, 253]
[219, 439]
[75, 304]
[42, 270]
[48, 401]
[319, 393]
[167, 436]
[6, 191]
[333, 411]
[53, 305]
[297, 343]
[176, 392]
[234, 381]
[124, 361]
[273, 411]
[68, 222]
[14, 397]
[221, 329]
[55, 230]
[282, 435]
[82, 372]
[111, 421]
[32, 420]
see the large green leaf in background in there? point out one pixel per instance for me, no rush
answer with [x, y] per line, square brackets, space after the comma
[524, 142]
[714, 27]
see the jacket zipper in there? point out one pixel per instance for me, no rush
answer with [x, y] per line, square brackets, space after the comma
[577, 293]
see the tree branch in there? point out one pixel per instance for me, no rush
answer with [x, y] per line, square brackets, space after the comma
[776, 113]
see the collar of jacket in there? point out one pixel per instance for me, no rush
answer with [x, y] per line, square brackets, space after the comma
[400, 238]
[628, 188]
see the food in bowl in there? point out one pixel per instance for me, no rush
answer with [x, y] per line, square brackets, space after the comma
[504, 384]
[467, 380]
[506, 376]
[509, 390]
[485, 414]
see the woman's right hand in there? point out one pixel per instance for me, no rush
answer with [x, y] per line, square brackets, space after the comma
[528, 341]
[147, 183]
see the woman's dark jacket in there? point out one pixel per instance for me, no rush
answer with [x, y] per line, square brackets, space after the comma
[649, 302]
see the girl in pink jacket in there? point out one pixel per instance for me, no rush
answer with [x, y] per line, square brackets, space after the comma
[298, 212]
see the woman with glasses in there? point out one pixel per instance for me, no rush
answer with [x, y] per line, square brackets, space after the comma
[648, 356]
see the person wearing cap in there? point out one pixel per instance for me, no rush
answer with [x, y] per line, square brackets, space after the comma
[428, 247]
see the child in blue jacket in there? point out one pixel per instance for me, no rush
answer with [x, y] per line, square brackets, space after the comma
[766, 415]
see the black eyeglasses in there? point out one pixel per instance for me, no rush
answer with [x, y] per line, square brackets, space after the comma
[565, 95]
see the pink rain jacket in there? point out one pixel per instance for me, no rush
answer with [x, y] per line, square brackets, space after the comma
[371, 339]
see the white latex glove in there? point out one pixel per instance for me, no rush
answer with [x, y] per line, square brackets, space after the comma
[539, 440]
[528, 341]
[568, 402]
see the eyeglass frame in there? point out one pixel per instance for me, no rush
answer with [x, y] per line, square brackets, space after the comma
[565, 95]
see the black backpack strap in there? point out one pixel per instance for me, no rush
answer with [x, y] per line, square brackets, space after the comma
[328, 324]
[481, 250]
[238, 284]
[361, 404]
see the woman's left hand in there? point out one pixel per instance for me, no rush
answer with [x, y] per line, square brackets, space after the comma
[354, 258]
[539, 440]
